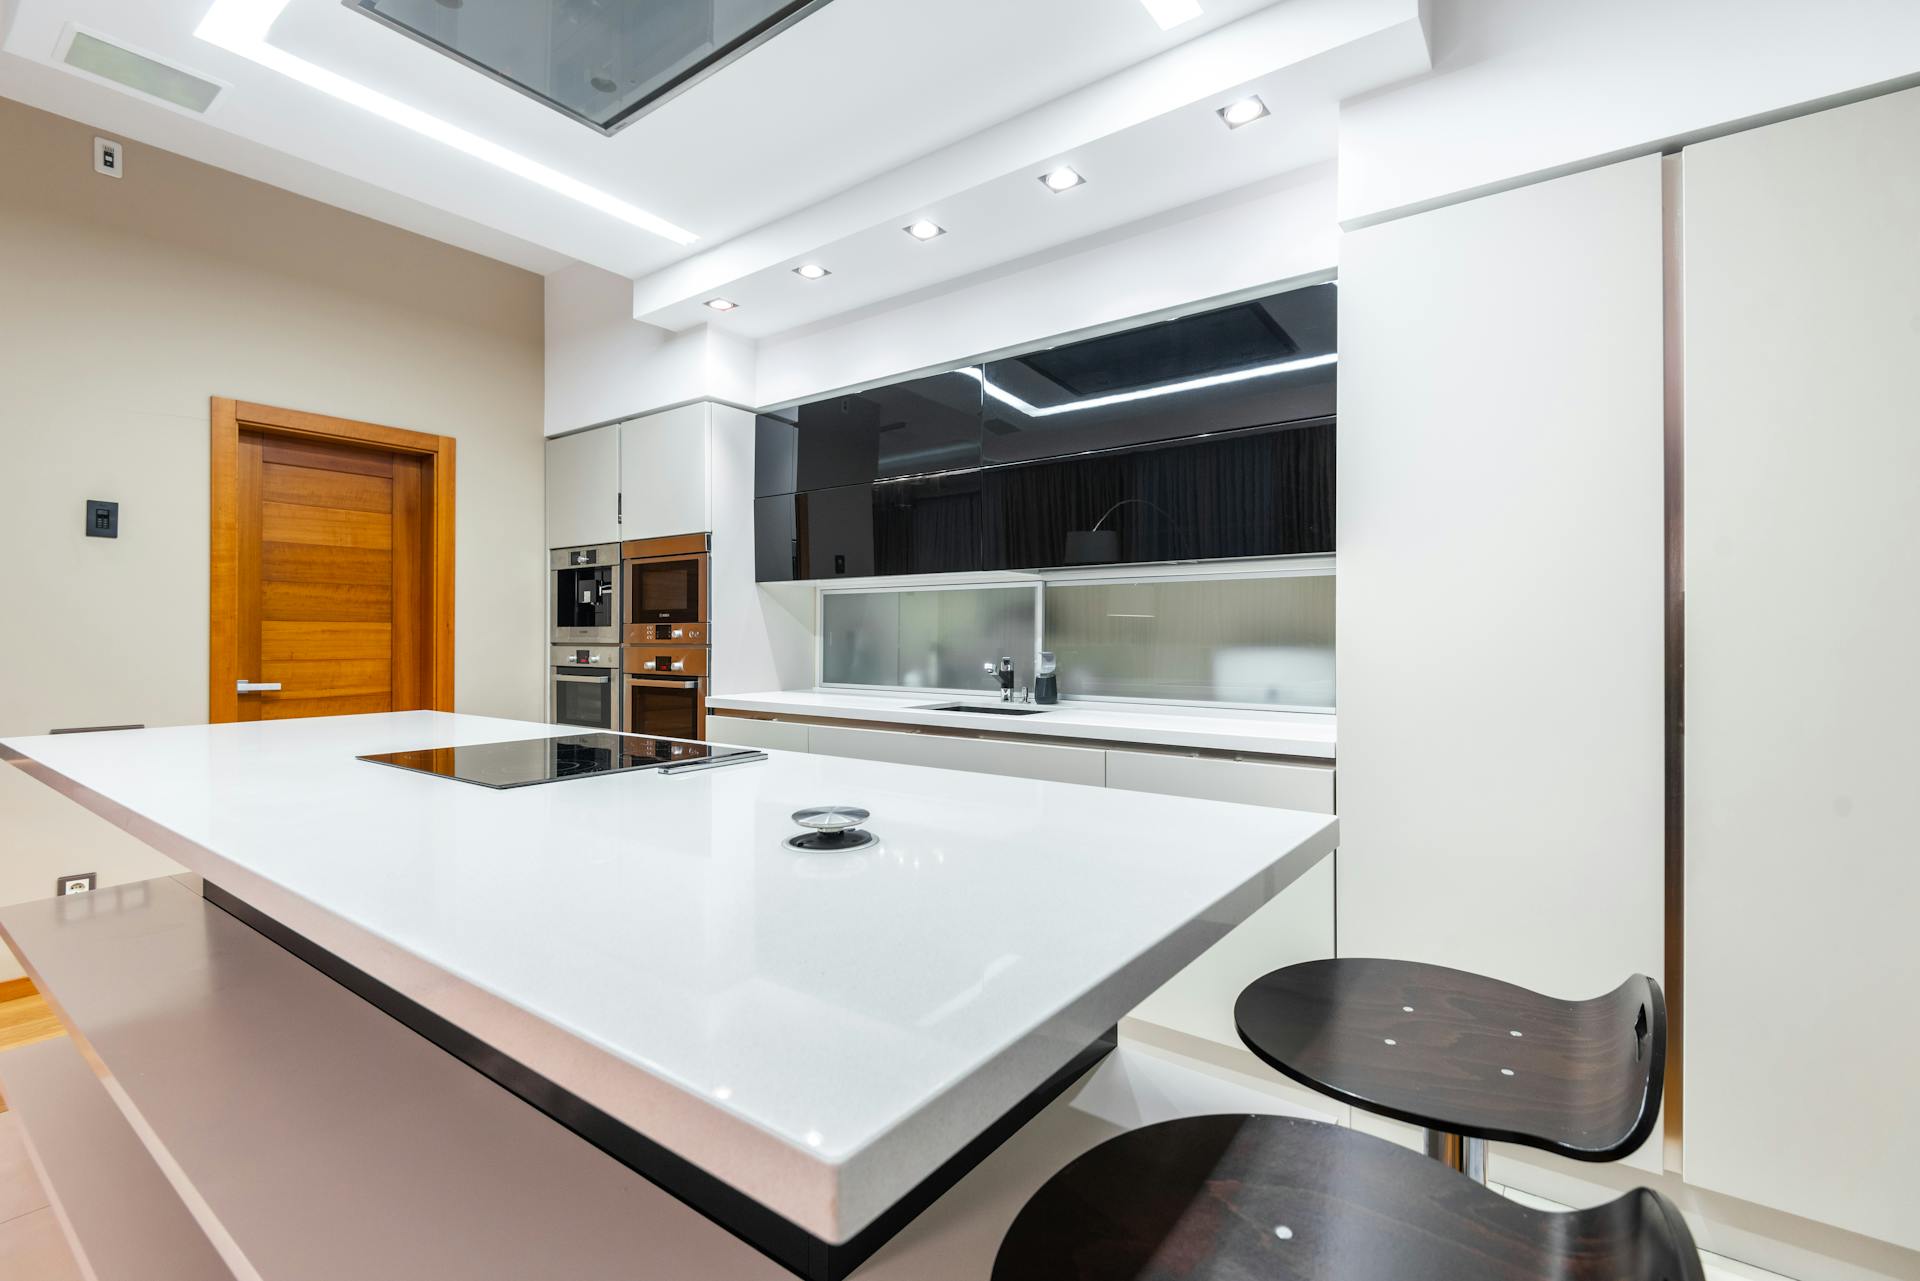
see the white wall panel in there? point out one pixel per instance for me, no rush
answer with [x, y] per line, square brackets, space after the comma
[1803, 605]
[1500, 602]
[1524, 88]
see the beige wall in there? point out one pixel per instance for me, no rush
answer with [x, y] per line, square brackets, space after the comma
[126, 303]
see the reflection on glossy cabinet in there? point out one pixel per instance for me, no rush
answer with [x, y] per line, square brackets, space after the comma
[743, 731]
[583, 488]
[1043, 762]
[665, 473]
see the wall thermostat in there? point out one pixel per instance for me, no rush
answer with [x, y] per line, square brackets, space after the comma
[107, 157]
[103, 519]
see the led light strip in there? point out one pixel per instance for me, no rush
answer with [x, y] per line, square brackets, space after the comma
[241, 27]
[1006, 397]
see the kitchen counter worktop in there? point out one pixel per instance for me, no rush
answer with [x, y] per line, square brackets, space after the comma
[820, 1032]
[1309, 734]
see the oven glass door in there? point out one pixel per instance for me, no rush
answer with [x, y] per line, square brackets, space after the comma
[583, 696]
[668, 591]
[583, 600]
[671, 707]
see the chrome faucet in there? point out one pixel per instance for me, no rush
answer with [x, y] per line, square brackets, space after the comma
[1004, 674]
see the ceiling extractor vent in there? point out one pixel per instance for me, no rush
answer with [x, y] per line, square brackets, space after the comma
[98, 58]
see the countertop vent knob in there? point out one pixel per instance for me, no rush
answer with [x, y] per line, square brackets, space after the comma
[833, 829]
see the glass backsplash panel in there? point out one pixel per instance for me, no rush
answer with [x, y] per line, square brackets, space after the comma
[1259, 641]
[926, 639]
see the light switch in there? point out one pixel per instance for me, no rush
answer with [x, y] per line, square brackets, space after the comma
[103, 519]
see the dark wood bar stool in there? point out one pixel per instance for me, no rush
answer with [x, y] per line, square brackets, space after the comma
[1233, 1198]
[1465, 1057]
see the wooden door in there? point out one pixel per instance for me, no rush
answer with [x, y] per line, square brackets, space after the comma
[331, 567]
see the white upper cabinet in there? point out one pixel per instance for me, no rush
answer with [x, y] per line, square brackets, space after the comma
[1802, 267]
[666, 473]
[1501, 604]
[583, 488]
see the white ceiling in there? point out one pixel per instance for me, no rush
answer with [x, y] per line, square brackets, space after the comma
[810, 146]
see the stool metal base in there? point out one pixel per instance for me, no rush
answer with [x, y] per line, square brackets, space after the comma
[1468, 1156]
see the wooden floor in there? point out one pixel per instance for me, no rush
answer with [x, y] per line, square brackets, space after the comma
[25, 1017]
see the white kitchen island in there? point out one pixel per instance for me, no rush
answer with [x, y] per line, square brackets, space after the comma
[817, 1034]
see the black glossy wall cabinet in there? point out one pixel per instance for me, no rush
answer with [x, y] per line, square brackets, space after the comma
[1204, 437]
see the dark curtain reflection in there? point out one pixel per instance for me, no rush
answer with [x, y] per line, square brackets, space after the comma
[927, 527]
[1264, 493]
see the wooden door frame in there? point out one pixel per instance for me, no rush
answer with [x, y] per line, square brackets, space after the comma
[229, 419]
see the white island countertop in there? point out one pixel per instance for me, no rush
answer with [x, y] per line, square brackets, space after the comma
[1218, 729]
[820, 1032]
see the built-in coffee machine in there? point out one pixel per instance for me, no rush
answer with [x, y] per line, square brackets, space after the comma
[667, 636]
[584, 664]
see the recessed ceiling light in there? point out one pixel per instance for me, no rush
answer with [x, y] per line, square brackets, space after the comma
[1064, 178]
[1243, 112]
[921, 229]
[811, 271]
[1171, 13]
[722, 304]
[242, 26]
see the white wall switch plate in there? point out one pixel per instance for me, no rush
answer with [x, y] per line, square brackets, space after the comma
[109, 157]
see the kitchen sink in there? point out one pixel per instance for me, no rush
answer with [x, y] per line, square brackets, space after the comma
[989, 709]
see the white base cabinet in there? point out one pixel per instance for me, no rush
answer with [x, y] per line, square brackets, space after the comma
[1192, 1013]
[981, 755]
[740, 731]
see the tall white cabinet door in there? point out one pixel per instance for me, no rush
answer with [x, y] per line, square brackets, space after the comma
[1501, 603]
[583, 488]
[665, 473]
[1802, 268]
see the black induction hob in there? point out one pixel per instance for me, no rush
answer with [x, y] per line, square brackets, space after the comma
[527, 761]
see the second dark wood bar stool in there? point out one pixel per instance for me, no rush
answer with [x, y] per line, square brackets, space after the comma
[1274, 1198]
[1465, 1057]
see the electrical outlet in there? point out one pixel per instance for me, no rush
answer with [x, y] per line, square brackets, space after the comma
[108, 157]
[79, 883]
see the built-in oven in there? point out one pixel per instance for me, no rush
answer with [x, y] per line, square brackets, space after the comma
[666, 581]
[666, 689]
[586, 595]
[586, 686]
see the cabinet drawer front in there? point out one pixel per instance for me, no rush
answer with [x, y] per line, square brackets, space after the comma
[740, 731]
[983, 756]
[1291, 787]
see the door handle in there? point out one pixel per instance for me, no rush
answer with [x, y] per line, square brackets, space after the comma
[566, 679]
[255, 687]
[660, 684]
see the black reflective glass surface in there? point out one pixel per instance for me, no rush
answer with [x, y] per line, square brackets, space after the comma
[1263, 492]
[602, 62]
[1203, 437]
[548, 760]
[1253, 364]
[907, 429]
